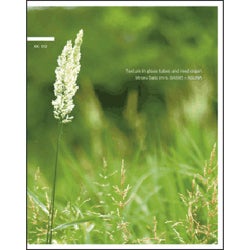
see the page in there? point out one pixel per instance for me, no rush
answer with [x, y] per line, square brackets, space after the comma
[124, 124]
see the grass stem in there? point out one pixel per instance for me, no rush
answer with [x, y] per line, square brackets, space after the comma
[53, 191]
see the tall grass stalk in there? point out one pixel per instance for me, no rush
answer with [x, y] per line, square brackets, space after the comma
[65, 88]
[53, 191]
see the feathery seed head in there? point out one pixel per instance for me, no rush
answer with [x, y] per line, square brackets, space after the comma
[66, 75]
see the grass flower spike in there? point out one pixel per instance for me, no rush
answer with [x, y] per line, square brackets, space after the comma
[66, 75]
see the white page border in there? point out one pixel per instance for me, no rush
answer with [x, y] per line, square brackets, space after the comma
[218, 4]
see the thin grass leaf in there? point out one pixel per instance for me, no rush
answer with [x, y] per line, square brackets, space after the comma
[38, 202]
[77, 222]
[135, 189]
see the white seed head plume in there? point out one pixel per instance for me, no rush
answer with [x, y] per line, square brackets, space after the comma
[66, 74]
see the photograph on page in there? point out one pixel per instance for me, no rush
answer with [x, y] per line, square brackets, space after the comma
[124, 124]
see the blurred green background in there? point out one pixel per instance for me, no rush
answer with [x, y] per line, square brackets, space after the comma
[151, 124]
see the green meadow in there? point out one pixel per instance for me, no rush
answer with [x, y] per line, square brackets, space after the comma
[138, 162]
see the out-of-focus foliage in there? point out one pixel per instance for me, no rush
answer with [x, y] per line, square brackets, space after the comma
[117, 38]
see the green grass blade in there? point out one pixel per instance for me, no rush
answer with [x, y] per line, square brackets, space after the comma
[77, 222]
[38, 202]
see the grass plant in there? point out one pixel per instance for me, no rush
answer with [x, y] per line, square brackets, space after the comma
[64, 89]
[114, 206]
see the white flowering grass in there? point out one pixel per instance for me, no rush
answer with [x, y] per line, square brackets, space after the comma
[65, 88]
